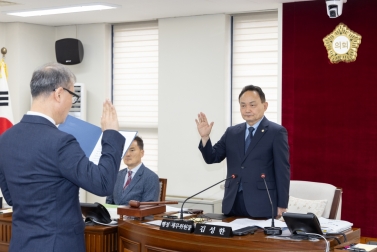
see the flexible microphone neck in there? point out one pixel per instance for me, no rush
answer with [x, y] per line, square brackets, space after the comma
[271, 230]
[272, 207]
[231, 177]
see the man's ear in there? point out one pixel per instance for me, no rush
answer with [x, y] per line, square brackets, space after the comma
[265, 105]
[57, 93]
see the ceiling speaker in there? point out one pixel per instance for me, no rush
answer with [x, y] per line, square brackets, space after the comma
[69, 51]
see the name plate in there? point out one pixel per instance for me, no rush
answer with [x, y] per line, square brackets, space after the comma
[184, 226]
[213, 230]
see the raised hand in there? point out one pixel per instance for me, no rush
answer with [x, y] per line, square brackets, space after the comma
[204, 128]
[109, 119]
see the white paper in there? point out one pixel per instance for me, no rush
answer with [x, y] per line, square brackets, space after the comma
[334, 226]
[155, 222]
[97, 151]
[259, 223]
[174, 209]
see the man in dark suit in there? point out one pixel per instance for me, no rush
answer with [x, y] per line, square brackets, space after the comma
[252, 148]
[136, 182]
[42, 168]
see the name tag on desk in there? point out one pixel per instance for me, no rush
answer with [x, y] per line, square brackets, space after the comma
[213, 230]
[184, 226]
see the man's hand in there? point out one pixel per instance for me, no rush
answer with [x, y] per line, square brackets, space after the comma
[109, 119]
[280, 212]
[204, 128]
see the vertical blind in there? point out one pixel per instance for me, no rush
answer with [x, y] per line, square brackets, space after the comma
[135, 83]
[255, 60]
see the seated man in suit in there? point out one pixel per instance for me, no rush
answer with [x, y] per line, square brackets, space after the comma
[136, 182]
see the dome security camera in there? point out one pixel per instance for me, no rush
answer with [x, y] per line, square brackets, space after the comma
[334, 8]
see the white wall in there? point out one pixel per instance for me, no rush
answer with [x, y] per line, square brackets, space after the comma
[194, 76]
[29, 46]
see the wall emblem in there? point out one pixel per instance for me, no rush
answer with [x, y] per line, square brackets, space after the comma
[342, 44]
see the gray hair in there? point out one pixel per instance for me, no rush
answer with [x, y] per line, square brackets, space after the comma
[49, 77]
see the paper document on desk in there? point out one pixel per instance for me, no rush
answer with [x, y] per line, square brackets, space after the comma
[334, 226]
[366, 247]
[259, 223]
[174, 209]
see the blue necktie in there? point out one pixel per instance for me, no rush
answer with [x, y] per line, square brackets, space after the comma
[247, 143]
[248, 138]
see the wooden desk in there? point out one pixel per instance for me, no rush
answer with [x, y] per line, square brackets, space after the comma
[132, 235]
[97, 238]
[135, 236]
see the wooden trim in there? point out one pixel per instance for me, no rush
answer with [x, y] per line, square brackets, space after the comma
[335, 203]
[164, 182]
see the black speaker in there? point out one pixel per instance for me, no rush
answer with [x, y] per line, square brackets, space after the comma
[69, 51]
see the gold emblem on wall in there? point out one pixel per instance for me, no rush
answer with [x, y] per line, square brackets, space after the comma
[342, 44]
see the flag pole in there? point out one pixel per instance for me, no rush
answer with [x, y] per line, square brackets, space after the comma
[4, 51]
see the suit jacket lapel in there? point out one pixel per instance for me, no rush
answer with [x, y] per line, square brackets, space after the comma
[261, 130]
[240, 138]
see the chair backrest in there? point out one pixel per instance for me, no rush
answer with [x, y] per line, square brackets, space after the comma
[163, 185]
[319, 191]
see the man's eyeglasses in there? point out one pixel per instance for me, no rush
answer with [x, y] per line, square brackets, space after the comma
[75, 97]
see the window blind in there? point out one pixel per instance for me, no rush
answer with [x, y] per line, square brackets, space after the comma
[255, 60]
[135, 83]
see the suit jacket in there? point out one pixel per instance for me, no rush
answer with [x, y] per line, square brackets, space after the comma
[41, 171]
[268, 153]
[144, 186]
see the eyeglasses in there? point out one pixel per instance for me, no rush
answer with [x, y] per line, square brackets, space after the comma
[75, 97]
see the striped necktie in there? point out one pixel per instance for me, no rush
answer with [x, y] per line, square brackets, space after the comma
[128, 179]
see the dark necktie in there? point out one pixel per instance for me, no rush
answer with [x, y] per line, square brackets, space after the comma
[247, 143]
[128, 179]
[248, 139]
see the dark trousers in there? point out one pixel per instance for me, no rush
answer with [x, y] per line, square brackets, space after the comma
[239, 208]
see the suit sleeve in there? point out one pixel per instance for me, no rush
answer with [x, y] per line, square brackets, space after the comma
[282, 167]
[4, 189]
[110, 199]
[214, 154]
[97, 179]
[151, 189]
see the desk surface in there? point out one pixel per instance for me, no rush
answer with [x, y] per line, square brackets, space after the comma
[135, 236]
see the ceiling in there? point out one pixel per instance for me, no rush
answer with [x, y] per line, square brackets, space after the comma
[131, 10]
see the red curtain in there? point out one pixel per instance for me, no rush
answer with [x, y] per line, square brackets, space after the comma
[328, 109]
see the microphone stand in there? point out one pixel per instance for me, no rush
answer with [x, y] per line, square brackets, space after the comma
[271, 230]
[231, 177]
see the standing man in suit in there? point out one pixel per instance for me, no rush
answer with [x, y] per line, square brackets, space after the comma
[251, 148]
[136, 182]
[42, 168]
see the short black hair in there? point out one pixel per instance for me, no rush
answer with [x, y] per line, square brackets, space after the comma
[253, 88]
[139, 142]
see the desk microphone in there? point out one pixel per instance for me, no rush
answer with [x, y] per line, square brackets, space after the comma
[231, 177]
[270, 230]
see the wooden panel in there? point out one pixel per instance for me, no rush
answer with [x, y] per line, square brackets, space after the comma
[151, 238]
[156, 249]
[97, 238]
[6, 232]
[126, 245]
